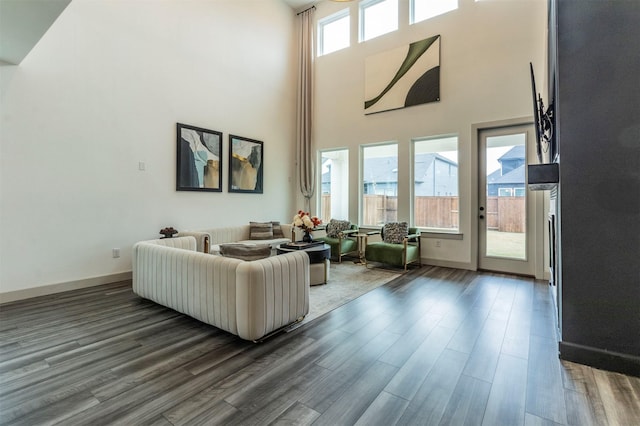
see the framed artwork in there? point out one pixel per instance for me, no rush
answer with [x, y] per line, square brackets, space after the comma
[245, 165]
[403, 77]
[199, 165]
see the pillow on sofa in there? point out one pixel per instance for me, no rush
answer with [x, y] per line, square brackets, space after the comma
[395, 232]
[335, 227]
[260, 231]
[245, 251]
[277, 230]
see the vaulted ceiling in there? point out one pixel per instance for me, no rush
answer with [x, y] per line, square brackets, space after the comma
[24, 22]
[298, 4]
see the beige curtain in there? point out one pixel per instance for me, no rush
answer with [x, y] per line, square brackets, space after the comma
[306, 158]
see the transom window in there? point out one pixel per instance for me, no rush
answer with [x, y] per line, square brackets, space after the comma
[377, 17]
[334, 32]
[425, 9]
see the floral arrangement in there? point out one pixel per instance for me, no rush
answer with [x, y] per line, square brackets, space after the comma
[305, 221]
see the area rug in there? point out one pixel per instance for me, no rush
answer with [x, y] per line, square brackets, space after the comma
[347, 281]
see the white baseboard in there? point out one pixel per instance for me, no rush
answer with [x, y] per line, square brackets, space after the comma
[28, 293]
[448, 264]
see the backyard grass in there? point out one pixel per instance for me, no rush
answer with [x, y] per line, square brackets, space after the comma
[506, 244]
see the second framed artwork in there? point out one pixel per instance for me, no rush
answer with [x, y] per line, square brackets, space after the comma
[245, 165]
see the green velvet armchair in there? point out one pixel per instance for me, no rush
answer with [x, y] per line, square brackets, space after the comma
[341, 238]
[395, 253]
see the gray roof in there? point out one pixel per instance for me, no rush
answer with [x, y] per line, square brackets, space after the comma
[381, 169]
[423, 162]
[514, 176]
[515, 153]
[384, 169]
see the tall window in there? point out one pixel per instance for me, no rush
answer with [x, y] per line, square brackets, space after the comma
[435, 191]
[425, 9]
[378, 17]
[333, 32]
[379, 184]
[334, 184]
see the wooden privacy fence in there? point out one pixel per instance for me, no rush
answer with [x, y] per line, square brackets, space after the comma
[436, 212]
[506, 214]
[379, 209]
[325, 205]
[431, 212]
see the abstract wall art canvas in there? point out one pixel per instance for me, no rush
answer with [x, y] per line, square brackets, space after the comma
[403, 77]
[245, 165]
[199, 159]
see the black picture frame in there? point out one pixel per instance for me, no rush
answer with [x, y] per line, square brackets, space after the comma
[199, 159]
[246, 169]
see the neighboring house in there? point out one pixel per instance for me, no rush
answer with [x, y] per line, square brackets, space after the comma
[380, 176]
[509, 180]
[434, 175]
[327, 165]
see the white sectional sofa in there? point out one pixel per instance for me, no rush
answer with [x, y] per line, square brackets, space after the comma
[209, 240]
[250, 299]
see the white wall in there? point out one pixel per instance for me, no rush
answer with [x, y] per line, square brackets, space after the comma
[101, 92]
[486, 48]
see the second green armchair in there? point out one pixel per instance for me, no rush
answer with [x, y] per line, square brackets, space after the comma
[341, 238]
[400, 245]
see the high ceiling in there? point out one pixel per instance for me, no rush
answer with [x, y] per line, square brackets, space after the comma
[299, 4]
[24, 22]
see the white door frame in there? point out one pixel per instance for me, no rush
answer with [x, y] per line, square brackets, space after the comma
[538, 220]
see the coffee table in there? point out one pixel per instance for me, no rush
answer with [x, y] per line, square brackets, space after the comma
[318, 258]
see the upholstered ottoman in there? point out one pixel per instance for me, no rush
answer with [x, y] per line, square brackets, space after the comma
[319, 272]
[318, 258]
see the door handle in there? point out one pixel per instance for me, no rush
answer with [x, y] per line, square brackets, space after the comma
[481, 208]
[481, 216]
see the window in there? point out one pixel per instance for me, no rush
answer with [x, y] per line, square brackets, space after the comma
[379, 184]
[505, 192]
[333, 32]
[378, 17]
[334, 185]
[425, 9]
[435, 175]
[511, 192]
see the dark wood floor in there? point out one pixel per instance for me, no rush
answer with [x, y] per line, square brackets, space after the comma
[436, 346]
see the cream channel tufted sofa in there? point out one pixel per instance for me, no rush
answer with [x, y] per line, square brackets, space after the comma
[209, 240]
[250, 299]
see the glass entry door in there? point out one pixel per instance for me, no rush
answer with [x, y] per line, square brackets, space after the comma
[504, 212]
